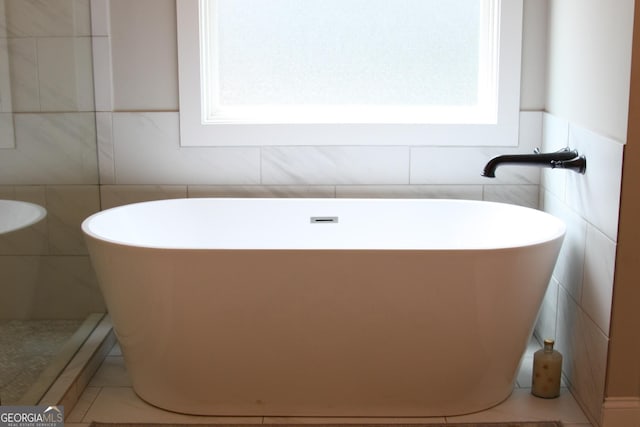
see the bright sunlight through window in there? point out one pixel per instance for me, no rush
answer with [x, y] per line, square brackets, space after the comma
[349, 72]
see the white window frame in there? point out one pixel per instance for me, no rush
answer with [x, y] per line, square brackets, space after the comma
[496, 125]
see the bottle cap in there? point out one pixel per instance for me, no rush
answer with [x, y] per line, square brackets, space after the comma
[549, 341]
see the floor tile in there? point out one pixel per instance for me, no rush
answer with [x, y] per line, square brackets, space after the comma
[110, 398]
[83, 404]
[522, 406]
[352, 420]
[121, 404]
[112, 373]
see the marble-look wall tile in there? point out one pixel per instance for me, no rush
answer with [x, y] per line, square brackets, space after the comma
[67, 289]
[7, 133]
[468, 192]
[596, 194]
[100, 20]
[584, 348]
[464, 166]
[3, 19]
[302, 191]
[589, 206]
[26, 193]
[569, 269]
[59, 233]
[547, 317]
[147, 151]
[48, 287]
[32, 240]
[31, 193]
[23, 68]
[5, 73]
[555, 136]
[523, 195]
[49, 67]
[102, 63]
[19, 276]
[65, 74]
[530, 130]
[81, 17]
[67, 207]
[102, 73]
[597, 286]
[57, 18]
[53, 148]
[106, 157]
[335, 165]
[118, 195]
[145, 61]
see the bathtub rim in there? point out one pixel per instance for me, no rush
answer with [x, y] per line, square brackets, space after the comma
[559, 233]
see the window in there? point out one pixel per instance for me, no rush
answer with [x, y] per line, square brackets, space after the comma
[349, 72]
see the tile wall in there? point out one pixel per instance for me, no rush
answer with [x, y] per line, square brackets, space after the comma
[139, 150]
[577, 307]
[48, 156]
[142, 148]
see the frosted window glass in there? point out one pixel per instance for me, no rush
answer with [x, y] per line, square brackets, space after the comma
[346, 52]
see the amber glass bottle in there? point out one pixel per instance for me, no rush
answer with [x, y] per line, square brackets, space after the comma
[547, 370]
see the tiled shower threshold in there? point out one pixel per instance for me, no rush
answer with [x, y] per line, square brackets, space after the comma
[77, 373]
[60, 360]
[34, 352]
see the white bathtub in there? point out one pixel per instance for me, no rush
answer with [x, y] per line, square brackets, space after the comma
[247, 307]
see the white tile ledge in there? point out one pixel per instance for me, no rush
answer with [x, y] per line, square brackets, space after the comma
[67, 389]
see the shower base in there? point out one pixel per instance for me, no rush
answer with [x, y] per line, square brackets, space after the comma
[34, 352]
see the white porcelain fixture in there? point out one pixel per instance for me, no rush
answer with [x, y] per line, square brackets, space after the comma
[327, 307]
[15, 215]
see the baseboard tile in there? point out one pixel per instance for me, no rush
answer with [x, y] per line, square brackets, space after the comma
[621, 411]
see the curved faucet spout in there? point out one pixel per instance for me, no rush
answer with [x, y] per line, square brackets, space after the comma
[565, 158]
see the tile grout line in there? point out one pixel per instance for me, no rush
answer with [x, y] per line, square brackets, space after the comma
[82, 418]
[93, 401]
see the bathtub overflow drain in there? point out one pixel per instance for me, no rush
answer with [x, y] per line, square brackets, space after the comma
[324, 219]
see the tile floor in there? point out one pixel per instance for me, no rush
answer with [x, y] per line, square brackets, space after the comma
[110, 398]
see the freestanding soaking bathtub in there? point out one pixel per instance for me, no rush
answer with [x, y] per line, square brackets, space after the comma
[331, 307]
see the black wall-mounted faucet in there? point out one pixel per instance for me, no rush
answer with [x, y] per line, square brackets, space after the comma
[564, 159]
